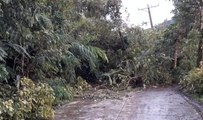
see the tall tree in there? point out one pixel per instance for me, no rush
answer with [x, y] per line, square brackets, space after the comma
[200, 46]
[188, 18]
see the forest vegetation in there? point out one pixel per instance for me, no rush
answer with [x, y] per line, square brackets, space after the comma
[53, 49]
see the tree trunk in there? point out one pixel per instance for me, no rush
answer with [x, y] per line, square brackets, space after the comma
[176, 53]
[200, 46]
[199, 53]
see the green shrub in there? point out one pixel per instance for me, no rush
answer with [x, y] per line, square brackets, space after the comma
[63, 92]
[81, 84]
[157, 75]
[193, 82]
[31, 101]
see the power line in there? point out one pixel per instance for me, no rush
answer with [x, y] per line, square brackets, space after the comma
[149, 12]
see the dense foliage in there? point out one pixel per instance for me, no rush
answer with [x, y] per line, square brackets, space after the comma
[184, 45]
[54, 43]
[51, 50]
[193, 82]
[30, 101]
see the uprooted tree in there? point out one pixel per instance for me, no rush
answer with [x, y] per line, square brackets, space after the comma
[56, 47]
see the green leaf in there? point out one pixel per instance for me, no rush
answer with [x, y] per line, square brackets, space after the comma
[3, 54]
[20, 49]
[6, 1]
[43, 21]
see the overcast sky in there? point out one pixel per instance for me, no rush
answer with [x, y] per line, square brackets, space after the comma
[159, 14]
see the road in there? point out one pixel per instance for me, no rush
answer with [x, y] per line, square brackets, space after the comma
[151, 104]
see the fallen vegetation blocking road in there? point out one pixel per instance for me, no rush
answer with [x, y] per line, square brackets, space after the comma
[53, 51]
[150, 104]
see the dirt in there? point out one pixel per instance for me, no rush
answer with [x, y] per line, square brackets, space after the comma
[150, 104]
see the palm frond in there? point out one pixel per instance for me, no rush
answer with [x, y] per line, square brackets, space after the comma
[100, 54]
[70, 63]
[19, 49]
[3, 54]
[43, 21]
[109, 76]
[3, 73]
[81, 52]
[90, 54]
[6, 1]
[70, 60]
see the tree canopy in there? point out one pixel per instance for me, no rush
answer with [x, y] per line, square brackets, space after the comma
[54, 48]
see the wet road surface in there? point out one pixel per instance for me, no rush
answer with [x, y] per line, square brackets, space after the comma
[151, 104]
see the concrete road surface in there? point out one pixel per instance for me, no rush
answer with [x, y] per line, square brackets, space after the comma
[151, 104]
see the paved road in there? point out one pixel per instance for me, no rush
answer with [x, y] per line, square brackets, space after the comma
[152, 104]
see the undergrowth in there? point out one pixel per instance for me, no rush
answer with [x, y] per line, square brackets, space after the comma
[193, 82]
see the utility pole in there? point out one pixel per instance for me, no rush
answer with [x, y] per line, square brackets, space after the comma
[149, 12]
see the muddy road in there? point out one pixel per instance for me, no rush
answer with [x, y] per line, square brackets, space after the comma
[151, 104]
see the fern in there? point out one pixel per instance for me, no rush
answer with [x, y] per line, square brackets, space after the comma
[3, 54]
[90, 54]
[70, 63]
[3, 73]
[100, 54]
[109, 76]
[6, 1]
[43, 21]
[19, 49]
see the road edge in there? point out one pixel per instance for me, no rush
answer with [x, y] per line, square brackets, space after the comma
[194, 103]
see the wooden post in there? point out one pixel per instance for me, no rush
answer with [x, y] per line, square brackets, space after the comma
[149, 12]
